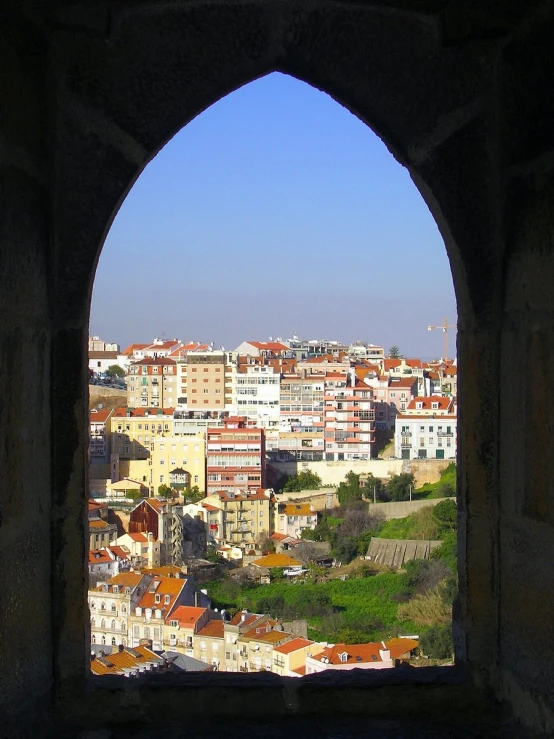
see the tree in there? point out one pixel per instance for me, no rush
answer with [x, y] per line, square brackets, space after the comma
[133, 494]
[350, 490]
[437, 642]
[374, 487]
[445, 514]
[114, 370]
[305, 480]
[394, 352]
[398, 487]
[164, 491]
[194, 495]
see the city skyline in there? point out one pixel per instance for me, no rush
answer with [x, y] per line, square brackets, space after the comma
[274, 212]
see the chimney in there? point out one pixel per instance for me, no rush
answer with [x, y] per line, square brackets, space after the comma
[243, 616]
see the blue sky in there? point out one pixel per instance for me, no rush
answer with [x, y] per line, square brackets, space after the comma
[275, 211]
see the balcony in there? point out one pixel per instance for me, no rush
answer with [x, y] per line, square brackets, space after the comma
[445, 433]
[406, 446]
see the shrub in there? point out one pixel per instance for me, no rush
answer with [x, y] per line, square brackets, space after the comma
[437, 642]
[428, 609]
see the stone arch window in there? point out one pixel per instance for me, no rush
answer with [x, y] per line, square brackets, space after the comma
[147, 632]
[103, 638]
[94, 638]
[103, 623]
[481, 178]
[93, 622]
[123, 626]
[113, 641]
[113, 623]
[123, 608]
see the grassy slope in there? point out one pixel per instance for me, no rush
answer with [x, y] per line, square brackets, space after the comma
[360, 601]
[431, 489]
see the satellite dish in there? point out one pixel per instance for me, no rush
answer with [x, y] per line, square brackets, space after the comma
[100, 406]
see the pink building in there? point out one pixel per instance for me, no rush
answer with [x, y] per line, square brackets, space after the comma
[391, 397]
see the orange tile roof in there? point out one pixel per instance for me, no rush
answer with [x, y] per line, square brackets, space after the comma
[369, 652]
[130, 349]
[250, 617]
[213, 629]
[273, 346]
[93, 505]
[171, 586]
[186, 615]
[100, 416]
[444, 402]
[297, 509]
[123, 580]
[268, 637]
[276, 560]
[138, 537]
[99, 556]
[113, 664]
[399, 646]
[209, 507]
[300, 670]
[97, 523]
[293, 645]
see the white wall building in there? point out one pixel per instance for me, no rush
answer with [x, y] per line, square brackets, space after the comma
[428, 429]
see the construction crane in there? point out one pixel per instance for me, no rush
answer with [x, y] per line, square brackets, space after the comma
[445, 326]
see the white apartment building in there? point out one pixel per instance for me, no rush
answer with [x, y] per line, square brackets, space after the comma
[255, 394]
[111, 604]
[427, 429]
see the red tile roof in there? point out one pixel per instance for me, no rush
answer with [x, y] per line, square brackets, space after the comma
[293, 645]
[100, 416]
[214, 629]
[187, 616]
[444, 403]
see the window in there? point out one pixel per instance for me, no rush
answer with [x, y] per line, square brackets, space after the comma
[157, 598]
[167, 600]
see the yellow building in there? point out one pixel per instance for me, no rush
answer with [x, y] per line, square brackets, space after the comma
[245, 518]
[289, 660]
[178, 461]
[144, 448]
[134, 429]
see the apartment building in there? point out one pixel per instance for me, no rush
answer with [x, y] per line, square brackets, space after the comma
[427, 429]
[235, 457]
[241, 622]
[294, 518]
[301, 423]
[96, 344]
[157, 604]
[255, 393]
[289, 659]
[255, 646]
[178, 461]
[209, 643]
[152, 383]
[100, 436]
[182, 625]
[101, 531]
[391, 395]
[369, 656]
[265, 349]
[349, 417]
[201, 381]
[242, 519]
[111, 603]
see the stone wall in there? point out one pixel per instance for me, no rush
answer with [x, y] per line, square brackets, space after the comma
[461, 93]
